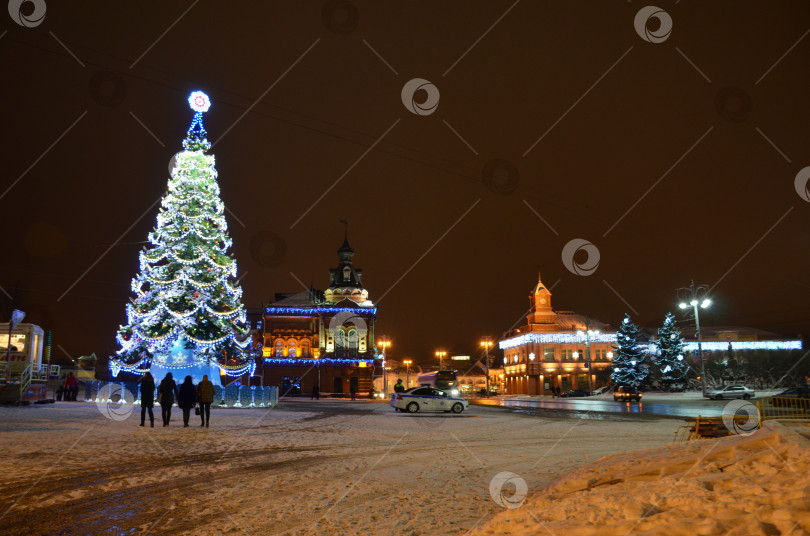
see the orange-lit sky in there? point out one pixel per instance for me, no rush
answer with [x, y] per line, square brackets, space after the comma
[639, 148]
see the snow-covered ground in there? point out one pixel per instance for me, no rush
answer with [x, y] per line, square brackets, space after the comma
[345, 468]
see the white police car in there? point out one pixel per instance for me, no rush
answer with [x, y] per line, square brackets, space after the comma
[427, 399]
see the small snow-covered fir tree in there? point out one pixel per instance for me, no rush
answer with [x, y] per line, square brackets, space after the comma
[186, 315]
[670, 362]
[628, 358]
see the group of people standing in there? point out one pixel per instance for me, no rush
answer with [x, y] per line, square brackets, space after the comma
[188, 396]
[70, 389]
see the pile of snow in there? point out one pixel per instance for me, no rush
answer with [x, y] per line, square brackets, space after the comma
[751, 485]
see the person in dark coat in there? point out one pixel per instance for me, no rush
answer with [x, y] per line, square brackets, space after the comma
[316, 392]
[187, 398]
[147, 388]
[205, 395]
[72, 387]
[166, 395]
[353, 391]
[399, 387]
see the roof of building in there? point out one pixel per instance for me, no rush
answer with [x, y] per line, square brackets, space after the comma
[571, 321]
[305, 298]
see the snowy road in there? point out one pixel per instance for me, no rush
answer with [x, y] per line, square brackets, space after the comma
[309, 467]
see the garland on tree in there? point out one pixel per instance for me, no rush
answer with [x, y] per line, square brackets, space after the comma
[628, 357]
[187, 306]
[670, 360]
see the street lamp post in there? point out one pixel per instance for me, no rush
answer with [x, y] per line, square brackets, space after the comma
[588, 333]
[384, 343]
[441, 355]
[487, 344]
[697, 295]
[407, 364]
[318, 365]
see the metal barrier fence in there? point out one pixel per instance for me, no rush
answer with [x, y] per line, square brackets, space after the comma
[773, 407]
[234, 396]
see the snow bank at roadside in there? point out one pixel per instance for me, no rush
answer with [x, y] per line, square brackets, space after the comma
[751, 485]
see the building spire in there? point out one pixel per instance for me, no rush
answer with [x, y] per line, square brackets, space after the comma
[345, 230]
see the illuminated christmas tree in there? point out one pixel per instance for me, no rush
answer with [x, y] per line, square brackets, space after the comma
[186, 316]
[628, 358]
[670, 361]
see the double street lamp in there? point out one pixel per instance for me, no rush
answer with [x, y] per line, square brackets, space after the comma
[487, 344]
[697, 296]
[441, 354]
[384, 343]
[407, 364]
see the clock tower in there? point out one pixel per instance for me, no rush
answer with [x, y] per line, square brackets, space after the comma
[542, 316]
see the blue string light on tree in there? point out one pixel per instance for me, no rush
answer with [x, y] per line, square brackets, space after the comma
[196, 137]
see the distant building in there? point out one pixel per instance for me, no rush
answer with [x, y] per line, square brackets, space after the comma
[551, 350]
[323, 337]
[548, 352]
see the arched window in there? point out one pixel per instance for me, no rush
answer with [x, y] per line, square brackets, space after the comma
[305, 346]
[352, 336]
[293, 349]
[279, 348]
[347, 273]
[340, 340]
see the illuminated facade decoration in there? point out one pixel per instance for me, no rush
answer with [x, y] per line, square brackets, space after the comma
[548, 352]
[741, 339]
[322, 336]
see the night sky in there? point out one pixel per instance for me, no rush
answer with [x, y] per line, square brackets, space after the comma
[556, 121]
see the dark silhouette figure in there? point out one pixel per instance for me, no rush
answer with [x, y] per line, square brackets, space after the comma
[147, 388]
[166, 395]
[371, 393]
[316, 392]
[187, 398]
[353, 392]
[205, 395]
[399, 387]
[558, 391]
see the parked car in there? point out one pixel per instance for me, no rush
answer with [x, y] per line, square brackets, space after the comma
[575, 393]
[626, 393]
[730, 391]
[795, 396]
[427, 399]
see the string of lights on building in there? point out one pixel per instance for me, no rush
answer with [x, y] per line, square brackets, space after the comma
[317, 311]
[555, 338]
[312, 362]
